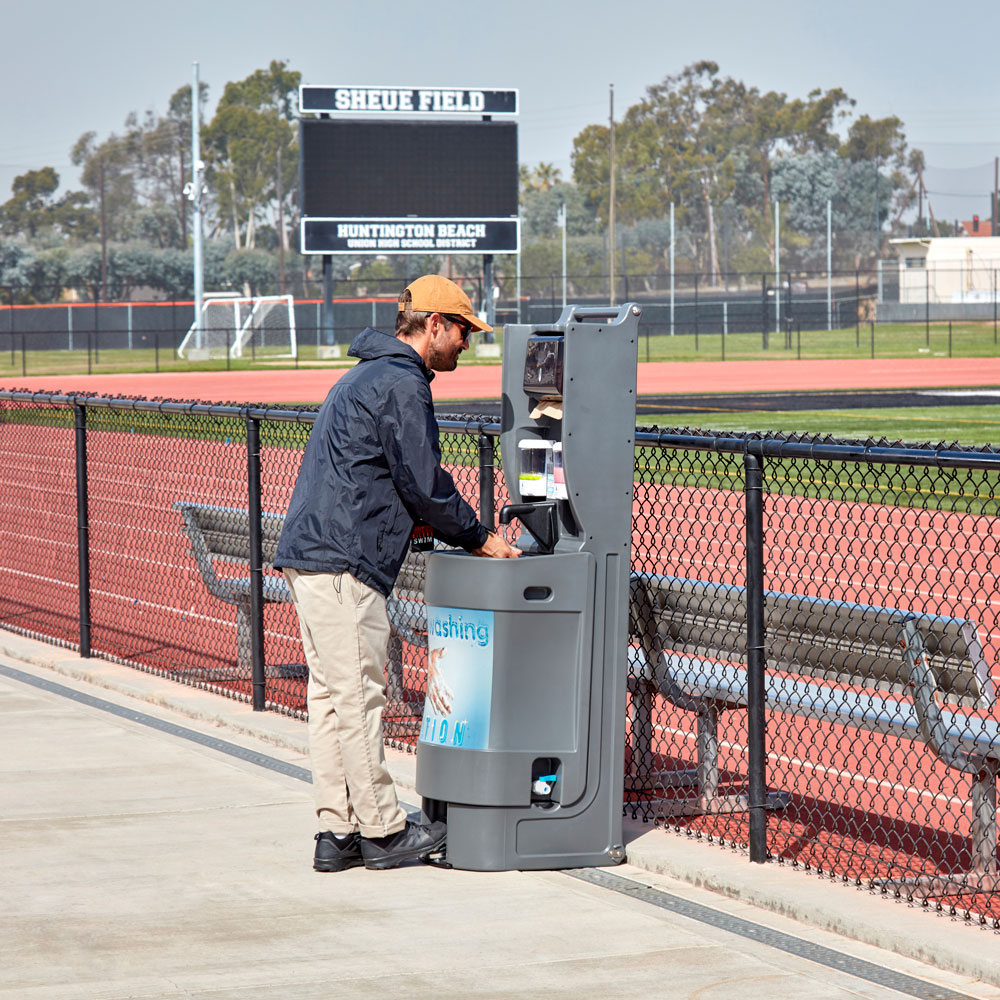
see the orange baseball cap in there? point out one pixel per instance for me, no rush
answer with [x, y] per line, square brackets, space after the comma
[434, 294]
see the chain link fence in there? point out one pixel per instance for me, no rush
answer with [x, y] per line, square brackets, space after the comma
[813, 636]
[890, 310]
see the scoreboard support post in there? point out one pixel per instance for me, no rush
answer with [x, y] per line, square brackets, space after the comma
[328, 334]
[489, 304]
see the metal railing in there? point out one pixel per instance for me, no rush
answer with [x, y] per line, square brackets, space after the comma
[756, 554]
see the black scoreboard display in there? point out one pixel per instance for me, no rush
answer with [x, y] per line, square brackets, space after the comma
[371, 183]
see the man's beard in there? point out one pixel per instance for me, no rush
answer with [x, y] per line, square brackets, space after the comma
[442, 361]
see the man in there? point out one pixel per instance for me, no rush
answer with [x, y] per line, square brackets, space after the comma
[371, 471]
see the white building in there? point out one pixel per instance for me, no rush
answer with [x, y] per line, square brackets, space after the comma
[948, 269]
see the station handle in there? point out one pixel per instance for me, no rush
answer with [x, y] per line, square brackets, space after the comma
[616, 313]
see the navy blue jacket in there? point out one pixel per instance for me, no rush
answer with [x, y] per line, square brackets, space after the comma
[372, 467]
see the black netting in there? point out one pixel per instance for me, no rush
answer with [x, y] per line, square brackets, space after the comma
[882, 740]
[39, 593]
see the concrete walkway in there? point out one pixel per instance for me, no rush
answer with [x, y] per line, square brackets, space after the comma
[157, 843]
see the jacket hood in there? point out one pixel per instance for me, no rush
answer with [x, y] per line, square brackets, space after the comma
[372, 343]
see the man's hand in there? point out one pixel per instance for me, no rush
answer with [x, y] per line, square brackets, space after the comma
[496, 547]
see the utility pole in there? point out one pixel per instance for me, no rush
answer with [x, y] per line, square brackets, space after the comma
[195, 192]
[281, 223]
[996, 196]
[611, 205]
[104, 238]
[930, 211]
[562, 223]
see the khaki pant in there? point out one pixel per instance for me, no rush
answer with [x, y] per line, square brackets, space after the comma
[344, 633]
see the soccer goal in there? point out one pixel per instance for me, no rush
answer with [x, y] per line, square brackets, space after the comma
[236, 326]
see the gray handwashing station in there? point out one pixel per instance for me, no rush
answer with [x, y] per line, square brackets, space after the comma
[521, 748]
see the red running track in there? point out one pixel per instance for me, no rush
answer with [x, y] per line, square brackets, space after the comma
[471, 381]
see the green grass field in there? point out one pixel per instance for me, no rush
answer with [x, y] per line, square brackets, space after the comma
[890, 341]
[142, 360]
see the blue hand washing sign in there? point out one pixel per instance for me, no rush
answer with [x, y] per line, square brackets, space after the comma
[459, 678]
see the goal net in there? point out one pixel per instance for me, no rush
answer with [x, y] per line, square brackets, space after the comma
[236, 326]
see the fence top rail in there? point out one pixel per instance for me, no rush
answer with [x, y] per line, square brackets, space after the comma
[858, 452]
[253, 411]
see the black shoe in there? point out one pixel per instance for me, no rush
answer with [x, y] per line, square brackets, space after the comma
[332, 856]
[411, 843]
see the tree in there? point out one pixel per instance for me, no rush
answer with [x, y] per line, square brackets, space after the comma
[670, 148]
[544, 177]
[540, 212]
[106, 175]
[250, 269]
[157, 150]
[252, 152]
[699, 140]
[880, 139]
[34, 207]
[135, 179]
[179, 117]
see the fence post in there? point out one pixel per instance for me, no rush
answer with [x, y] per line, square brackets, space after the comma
[487, 481]
[92, 333]
[857, 308]
[696, 312]
[82, 526]
[756, 724]
[763, 312]
[725, 328]
[256, 565]
[24, 355]
[788, 311]
[927, 305]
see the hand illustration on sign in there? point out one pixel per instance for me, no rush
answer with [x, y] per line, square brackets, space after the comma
[438, 692]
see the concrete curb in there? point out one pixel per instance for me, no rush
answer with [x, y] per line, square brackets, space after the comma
[906, 929]
[946, 942]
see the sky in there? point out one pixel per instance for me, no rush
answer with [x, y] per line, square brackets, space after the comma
[70, 68]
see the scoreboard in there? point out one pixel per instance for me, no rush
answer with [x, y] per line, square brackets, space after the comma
[391, 175]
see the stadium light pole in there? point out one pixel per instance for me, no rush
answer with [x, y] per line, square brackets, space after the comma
[195, 191]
